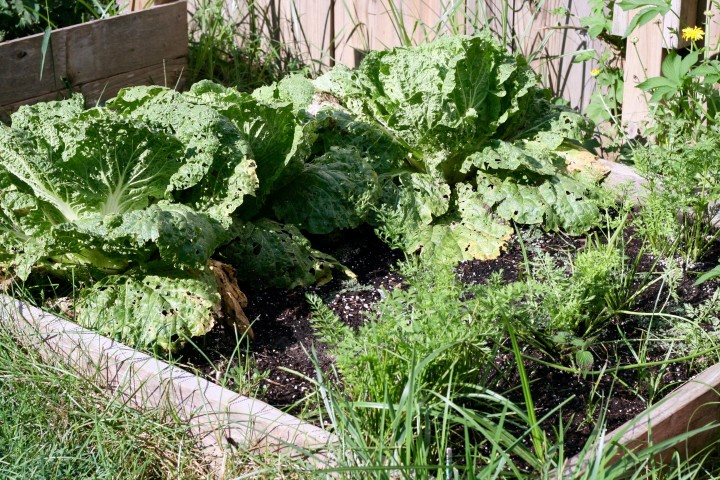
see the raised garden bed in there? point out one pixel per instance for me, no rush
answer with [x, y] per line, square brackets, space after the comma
[221, 420]
[225, 420]
[214, 196]
[97, 58]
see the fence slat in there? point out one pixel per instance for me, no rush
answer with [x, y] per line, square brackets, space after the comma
[643, 60]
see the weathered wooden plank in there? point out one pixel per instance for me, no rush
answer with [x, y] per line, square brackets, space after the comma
[693, 406]
[21, 61]
[312, 30]
[562, 36]
[379, 24]
[346, 29]
[126, 42]
[222, 420]
[712, 35]
[351, 28]
[168, 74]
[91, 52]
[6, 110]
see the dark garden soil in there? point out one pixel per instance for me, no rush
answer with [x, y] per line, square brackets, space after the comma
[283, 335]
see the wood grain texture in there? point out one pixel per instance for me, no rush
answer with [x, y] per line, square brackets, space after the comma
[168, 74]
[311, 29]
[94, 52]
[126, 42]
[222, 420]
[373, 25]
[351, 27]
[21, 60]
[712, 35]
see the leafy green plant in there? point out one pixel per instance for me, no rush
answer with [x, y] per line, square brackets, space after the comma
[134, 198]
[606, 101]
[683, 196]
[19, 18]
[372, 360]
[693, 330]
[683, 99]
[86, 201]
[476, 131]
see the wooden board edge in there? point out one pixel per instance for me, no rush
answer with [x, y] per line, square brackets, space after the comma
[39, 36]
[168, 74]
[693, 405]
[220, 418]
[172, 71]
[60, 53]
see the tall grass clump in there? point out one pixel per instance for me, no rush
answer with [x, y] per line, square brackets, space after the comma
[240, 43]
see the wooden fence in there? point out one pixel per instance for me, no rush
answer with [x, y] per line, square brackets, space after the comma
[323, 32]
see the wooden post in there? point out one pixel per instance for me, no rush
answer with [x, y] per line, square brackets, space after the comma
[712, 34]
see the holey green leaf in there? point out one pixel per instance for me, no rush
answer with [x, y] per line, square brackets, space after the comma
[182, 237]
[336, 127]
[460, 110]
[104, 165]
[217, 171]
[279, 139]
[528, 182]
[469, 232]
[335, 191]
[442, 101]
[277, 255]
[421, 215]
[415, 199]
[22, 228]
[159, 311]
[84, 190]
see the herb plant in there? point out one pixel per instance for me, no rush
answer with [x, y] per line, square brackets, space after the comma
[682, 204]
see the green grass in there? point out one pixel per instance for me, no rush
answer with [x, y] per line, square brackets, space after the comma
[239, 43]
[54, 424]
[57, 424]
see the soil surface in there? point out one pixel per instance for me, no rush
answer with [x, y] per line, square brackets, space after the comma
[284, 336]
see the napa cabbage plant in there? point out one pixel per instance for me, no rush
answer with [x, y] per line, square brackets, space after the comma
[89, 195]
[481, 145]
[439, 147]
[134, 199]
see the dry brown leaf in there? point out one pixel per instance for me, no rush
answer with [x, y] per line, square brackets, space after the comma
[233, 299]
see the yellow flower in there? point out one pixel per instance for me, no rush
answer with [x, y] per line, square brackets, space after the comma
[693, 33]
[595, 72]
